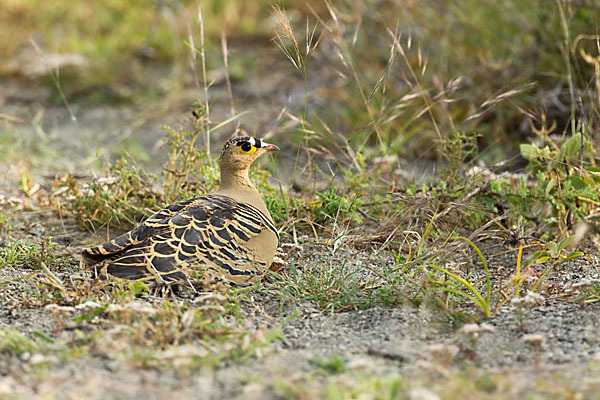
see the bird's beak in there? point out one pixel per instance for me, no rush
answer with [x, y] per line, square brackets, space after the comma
[270, 147]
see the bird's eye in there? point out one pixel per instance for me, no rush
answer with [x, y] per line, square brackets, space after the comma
[247, 148]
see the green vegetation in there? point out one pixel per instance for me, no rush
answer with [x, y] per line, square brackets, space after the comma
[154, 335]
[33, 255]
[338, 285]
[593, 295]
[332, 366]
[120, 198]
[500, 99]
[13, 342]
[110, 51]
[399, 89]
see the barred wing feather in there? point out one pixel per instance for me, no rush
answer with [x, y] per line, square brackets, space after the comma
[207, 234]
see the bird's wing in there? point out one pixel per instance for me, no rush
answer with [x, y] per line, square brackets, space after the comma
[151, 226]
[208, 232]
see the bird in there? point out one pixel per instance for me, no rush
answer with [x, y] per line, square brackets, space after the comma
[228, 236]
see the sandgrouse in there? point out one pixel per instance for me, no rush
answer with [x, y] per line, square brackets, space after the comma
[228, 235]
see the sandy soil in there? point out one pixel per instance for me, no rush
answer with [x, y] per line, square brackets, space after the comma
[549, 351]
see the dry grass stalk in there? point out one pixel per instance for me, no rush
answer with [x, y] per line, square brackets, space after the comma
[225, 51]
[286, 32]
[205, 81]
[193, 63]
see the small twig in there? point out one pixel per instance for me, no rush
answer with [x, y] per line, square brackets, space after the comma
[581, 133]
[154, 268]
[364, 214]
[467, 197]
[190, 283]
[384, 354]
[56, 280]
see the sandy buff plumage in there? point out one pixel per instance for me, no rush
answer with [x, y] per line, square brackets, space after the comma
[226, 235]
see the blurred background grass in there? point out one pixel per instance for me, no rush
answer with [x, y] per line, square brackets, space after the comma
[392, 77]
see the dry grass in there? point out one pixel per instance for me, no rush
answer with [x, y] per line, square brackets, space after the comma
[463, 85]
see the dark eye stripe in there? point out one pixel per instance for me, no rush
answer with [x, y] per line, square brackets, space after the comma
[253, 141]
[239, 140]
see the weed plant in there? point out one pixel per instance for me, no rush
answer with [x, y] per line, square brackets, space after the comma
[21, 254]
[189, 169]
[394, 91]
[455, 94]
[120, 199]
[561, 175]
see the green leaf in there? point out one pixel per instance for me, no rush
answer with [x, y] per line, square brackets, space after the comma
[572, 255]
[534, 257]
[594, 174]
[88, 316]
[553, 247]
[578, 183]
[565, 242]
[529, 151]
[570, 147]
[487, 201]
[45, 337]
[497, 185]
[523, 188]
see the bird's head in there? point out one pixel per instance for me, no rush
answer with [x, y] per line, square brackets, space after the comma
[240, 152]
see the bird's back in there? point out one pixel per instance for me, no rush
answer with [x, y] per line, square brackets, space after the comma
[211, 236]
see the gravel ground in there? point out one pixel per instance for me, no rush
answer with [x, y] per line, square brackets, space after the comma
[549, 351]
[405, 342]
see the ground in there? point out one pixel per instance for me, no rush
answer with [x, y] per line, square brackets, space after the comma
[309, 332]
[400, 351]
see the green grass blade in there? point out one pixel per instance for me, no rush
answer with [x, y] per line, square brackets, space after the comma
[485, 305]
[485, 267]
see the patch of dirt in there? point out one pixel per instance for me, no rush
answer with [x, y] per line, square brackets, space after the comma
[413, 344]
[260, 98]
[419, 345]
[549, 351]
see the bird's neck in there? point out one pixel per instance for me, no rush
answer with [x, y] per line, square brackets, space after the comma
[237, 185]
[235, 180]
